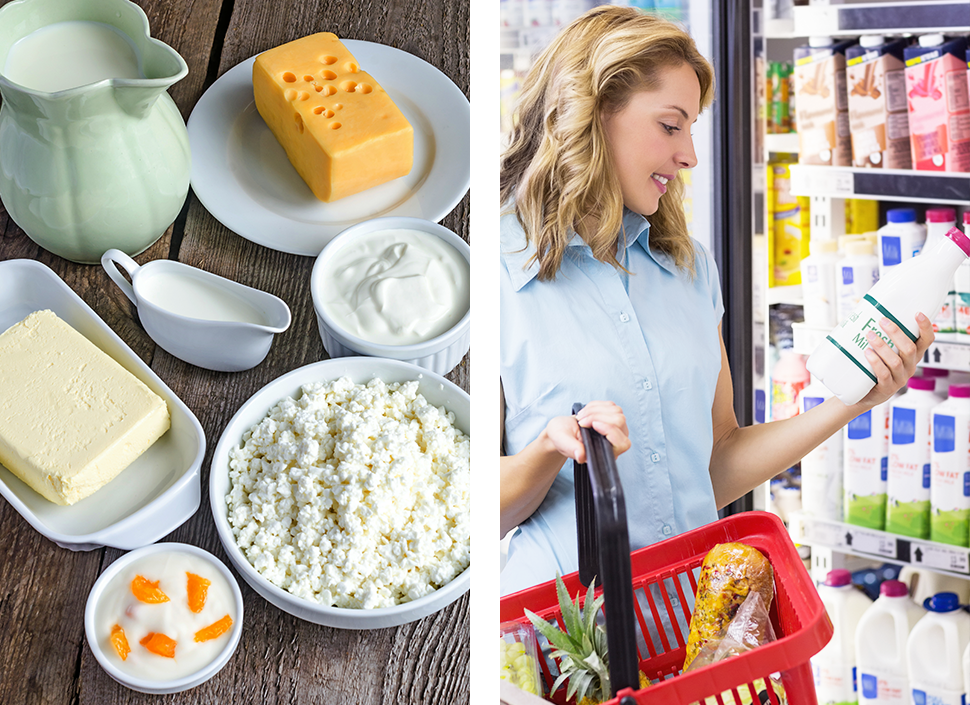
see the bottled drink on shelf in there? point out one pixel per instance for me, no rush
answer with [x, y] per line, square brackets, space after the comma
[822, 466]
[865, 467]
[938, 221]
[880, 644]
[818, 284]
[935, 649]
[855, 274]
[835, 664]
[950, 468]
[900, 239]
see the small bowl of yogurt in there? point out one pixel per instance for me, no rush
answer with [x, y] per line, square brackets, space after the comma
[395, 287]
[164, 618]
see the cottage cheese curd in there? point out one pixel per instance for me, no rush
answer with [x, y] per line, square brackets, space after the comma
[353, 495]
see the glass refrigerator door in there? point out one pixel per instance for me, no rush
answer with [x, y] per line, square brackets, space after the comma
[529, 25]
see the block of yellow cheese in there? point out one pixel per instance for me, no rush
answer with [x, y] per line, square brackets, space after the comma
[340, 129]
[71, 417]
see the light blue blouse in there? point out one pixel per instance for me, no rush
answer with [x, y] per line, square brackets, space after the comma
[647, 341]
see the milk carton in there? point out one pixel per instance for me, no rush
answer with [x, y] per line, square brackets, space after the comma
[835, 665]
[939, 107]
[900, 239]
[908, 481]
[865, 467]
[878, 116]
[934, 652]
[821, 104]
[880, 645]
[821, 466]
[950, 468]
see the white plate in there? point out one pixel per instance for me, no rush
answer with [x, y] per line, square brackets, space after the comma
[156, 493]
[436, 390]
[243, 178]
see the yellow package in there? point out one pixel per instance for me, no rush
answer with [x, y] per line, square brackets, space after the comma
[861, 216]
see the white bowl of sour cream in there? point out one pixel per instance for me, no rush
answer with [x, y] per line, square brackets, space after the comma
[395, 287]
[175, 611]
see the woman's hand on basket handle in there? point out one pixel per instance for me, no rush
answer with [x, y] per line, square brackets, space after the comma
[527, 476]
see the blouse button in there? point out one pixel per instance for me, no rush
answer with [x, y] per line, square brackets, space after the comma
[647, 384]
[667, 530]
[624, 317]
[655, 457]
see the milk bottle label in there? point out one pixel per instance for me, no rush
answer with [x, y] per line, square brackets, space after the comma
[950, 482]
[850, 336]
[835, 683]
[847, 275]
[865, 472]
[909, 478]
[938, 697]
[892, 250]
[885, 688]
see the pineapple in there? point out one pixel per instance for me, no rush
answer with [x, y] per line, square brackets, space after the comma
[581, 649]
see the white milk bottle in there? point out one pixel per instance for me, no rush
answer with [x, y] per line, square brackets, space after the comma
[950, 468]
[961, 296]
[900, 239]
[822, 466]
[938, 221]
[834, 666]
[865, 467]
[855, 275]
[918, 285]
[935, 649]
[940, 377]
[819, 296]
[908, 481]
[880, 645]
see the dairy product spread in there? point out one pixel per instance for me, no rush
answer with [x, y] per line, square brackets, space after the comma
[353, 495]
[340, 129]
[396, 287]
[71, 417]
[165, 616]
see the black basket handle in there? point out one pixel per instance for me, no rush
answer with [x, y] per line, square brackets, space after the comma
[604, 551]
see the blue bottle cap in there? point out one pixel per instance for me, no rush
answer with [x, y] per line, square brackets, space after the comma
[901, 215]
[942, 602]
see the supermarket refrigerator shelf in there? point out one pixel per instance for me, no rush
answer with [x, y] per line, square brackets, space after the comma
[879, 545]
[880, 184]
[882, 18]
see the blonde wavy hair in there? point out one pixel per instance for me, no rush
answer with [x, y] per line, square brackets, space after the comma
[558, 168]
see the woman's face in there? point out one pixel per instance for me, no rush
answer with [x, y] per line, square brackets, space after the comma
[650, 140]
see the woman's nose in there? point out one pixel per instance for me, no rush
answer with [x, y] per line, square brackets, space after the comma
[687, 158]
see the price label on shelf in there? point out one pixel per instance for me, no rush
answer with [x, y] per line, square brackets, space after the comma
[842, 183]
[816, 20]
[875, 542]
[933, 555]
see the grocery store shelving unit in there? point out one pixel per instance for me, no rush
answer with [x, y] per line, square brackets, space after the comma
[828, 187]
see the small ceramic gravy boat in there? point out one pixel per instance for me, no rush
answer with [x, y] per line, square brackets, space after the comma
[200, 317]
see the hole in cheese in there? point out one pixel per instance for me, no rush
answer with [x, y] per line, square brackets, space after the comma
[328, 60]
[365, 88]
[351, 67]
[290, 94]
[289, 77]
[304, 95]
[348, 86]
[308, 78]
[328, 74]
[329, 90]
[334, 125]
[338, 106]
[299, 123]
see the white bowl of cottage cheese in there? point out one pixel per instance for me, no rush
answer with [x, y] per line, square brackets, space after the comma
[341, 492]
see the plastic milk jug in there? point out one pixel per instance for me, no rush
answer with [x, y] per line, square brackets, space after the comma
[855, 275]
[822, 466]
[918, 285]
[818, 284]
[865, 467]
[835, 666]
[940, 377]
[938, 221]
[908, 481]
[950, 468]
[935, 649]
[961, 297]
[900, 239]
[881, 645]
[788, 378]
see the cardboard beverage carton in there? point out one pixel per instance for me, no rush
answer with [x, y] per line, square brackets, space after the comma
[821, 104]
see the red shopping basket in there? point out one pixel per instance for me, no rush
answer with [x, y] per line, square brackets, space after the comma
[645, 591]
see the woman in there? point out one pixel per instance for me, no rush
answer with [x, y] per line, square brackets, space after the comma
[605, 296]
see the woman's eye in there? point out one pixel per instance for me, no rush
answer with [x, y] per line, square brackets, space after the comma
[671, 129]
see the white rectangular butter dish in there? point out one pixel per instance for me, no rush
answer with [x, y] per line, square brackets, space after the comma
[156, 493]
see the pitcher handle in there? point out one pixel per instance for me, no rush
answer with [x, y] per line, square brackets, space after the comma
[111, 261]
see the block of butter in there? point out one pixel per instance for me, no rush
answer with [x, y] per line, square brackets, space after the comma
[71, 417]
[340, 129]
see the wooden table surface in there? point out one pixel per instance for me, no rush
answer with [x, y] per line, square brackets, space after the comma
[44, 656]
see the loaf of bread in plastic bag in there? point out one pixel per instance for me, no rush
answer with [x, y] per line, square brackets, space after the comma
[729, 572]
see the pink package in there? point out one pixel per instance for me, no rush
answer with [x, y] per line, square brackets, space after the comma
[939, 106]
